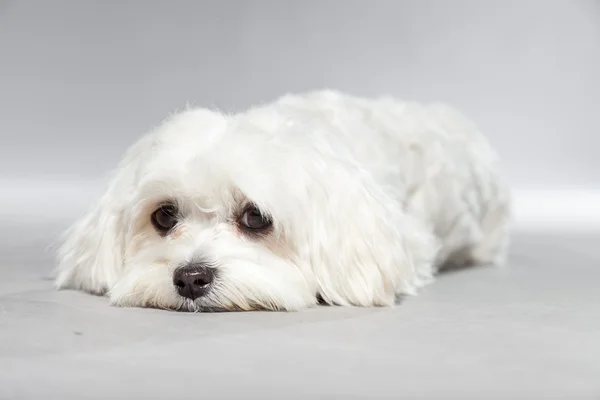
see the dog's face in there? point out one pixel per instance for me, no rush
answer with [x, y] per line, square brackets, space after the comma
[214, 213]
[206, 245]
[205, 229]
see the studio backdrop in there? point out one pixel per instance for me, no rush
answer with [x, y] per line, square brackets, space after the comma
[82, 80]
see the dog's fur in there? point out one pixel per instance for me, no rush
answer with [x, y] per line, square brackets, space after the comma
[368, 199]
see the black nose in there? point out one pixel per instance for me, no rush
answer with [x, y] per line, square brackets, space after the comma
[193, 280]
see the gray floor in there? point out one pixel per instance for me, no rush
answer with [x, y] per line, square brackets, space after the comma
[528, 330]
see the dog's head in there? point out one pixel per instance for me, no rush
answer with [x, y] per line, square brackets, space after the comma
[214, 212]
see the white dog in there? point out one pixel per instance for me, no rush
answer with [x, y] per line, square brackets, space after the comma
[315, 197]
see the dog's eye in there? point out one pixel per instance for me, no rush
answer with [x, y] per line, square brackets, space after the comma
[164, 218]
[254, 220]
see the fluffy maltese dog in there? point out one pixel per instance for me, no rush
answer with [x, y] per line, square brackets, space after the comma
[317, 197]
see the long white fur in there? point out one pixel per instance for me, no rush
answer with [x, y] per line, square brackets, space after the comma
[369, 198]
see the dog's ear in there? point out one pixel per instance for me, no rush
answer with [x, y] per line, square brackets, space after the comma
[91, 255]
[365, 249]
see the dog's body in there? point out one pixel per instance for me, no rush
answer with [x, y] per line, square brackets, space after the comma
[351, 200]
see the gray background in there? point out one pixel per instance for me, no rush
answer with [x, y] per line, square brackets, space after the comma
[81, 80]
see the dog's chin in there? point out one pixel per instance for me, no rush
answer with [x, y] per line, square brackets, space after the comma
[207, 304]
[198, 307]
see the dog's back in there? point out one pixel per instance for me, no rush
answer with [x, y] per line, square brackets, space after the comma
[431, 158]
